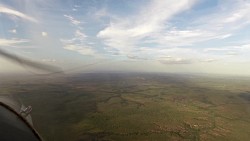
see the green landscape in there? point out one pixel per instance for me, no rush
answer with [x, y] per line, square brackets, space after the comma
[136, 106]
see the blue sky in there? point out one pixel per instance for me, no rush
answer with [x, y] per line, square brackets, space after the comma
[204, 36]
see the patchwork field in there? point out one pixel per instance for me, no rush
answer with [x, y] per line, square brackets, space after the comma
[136, 107]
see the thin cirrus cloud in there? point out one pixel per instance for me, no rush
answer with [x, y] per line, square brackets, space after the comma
[241, 47]
[219, 25]
[13, 31]
[235, 52]
[12, 12]
[152, 25]
[210, 60]
[84, 50]
[222, 23]
[12, 42]
[162, 32]
[72, 20]
[125, 33]
[79, 41]
[168, 61]
[44, 34]
[78, 44]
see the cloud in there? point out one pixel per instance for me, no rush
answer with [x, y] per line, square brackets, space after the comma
[171, 61]
[44, 34]
[72, 20]
[79, 44]
[84, 50]
[12, 42]
[240, 14]
[224, 36]
[152, 26]
[49, 60]
[6, 10]
[209, 60]
[166, 55]
[175, 37]
[219, 49]
[243, 47]
[99, 14]
[79, 37]
[232, 53]
[125, 33]
[13, 31]
[161, 53]
[134, 57]
[220, 24]
[233, 50]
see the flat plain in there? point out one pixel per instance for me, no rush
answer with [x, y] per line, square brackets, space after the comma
[136, 106]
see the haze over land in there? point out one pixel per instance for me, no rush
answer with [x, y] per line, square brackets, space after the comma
[136, 106]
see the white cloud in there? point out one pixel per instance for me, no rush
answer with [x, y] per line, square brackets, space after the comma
[44, 34]
[232, 53]
[124, 34]
[229, 49]
[79, 44]
[166, 53]
[219, 49]
[241, 13]
[49, 60]
[180, 37]
[9, 11]
[84, 50]
[72, 20]
[168, 61]
[100, 13]
[80, 35]
[134, 57]
[243, 47]
[13, 31]
[219, 25]
[224, 36]
[150, 35]
[209, 60]
[77, 6]
[12, 42]
[152, 26]
[227, 16]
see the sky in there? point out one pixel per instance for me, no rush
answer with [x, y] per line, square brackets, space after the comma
[187, 36]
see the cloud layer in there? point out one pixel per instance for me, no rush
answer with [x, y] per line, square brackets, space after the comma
[167, 33]
[11, 12]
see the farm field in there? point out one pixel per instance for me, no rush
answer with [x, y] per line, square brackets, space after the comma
[136, 106]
